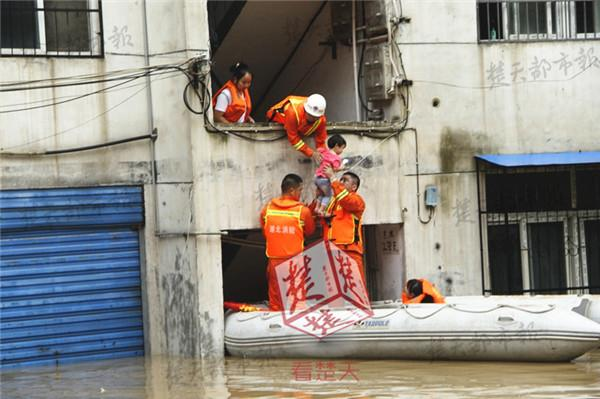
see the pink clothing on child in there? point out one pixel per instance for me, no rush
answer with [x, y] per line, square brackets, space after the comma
[329, 158]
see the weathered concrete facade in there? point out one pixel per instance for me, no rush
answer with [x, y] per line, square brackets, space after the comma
[209, 183]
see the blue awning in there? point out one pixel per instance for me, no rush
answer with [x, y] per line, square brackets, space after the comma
[543, 159]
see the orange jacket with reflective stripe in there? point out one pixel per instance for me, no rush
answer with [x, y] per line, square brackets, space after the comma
[285, 222]
[290, 113]
[345, 228]
[428, 290]
[237, 106]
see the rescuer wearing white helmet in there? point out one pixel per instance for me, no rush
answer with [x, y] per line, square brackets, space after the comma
[302, 117]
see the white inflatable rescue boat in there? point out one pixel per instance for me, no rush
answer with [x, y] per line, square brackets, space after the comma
[466, 330]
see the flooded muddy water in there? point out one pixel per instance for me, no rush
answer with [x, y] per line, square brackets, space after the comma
[172, 377]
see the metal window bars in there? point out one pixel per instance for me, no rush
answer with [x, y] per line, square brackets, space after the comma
[537, 237]
[530, 20]
[40, 28]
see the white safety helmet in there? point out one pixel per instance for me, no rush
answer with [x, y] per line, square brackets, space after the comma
[315, 105]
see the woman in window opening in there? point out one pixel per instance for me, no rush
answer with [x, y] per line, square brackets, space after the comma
[232, 103]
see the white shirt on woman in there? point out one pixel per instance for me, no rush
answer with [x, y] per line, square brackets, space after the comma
[223, 101]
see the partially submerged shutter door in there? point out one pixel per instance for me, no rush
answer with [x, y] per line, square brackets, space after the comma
[70, 275]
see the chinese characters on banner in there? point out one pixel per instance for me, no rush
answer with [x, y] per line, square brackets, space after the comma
[560, 67]
[315, 282]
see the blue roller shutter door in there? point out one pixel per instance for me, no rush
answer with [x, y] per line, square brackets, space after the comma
[70, 275]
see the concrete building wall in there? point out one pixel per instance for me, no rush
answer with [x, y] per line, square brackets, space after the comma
[529, 97]
[209, 183]
[175, 314]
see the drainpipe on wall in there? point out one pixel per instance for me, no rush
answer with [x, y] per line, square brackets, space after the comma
[356, 98]
[150, 114]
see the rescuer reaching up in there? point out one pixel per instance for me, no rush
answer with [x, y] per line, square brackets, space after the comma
[302, 117]
[285, 222]
[344, 228]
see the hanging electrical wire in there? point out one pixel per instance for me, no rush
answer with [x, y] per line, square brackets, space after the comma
[88, 78]
[198, 81]
[73, 96]
[4, 151]
[310, 70]
[79, 97]
[147, 72]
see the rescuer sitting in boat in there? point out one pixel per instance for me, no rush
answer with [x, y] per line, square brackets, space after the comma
[421, 291]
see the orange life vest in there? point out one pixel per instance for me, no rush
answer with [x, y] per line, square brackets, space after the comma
[428, 289]
[296, 104]
[237, 106]
[284, 230]
[345, 228]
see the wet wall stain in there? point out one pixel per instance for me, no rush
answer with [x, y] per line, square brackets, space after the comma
[180, 309]
[458, 147]
[220, 165]
[447, 281]
[206, 337]
[367, 162]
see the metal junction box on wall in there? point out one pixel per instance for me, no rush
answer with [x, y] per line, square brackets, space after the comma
[341, 21]
[378, 72]
[375, 18]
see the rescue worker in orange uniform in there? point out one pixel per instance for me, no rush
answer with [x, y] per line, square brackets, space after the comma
[346, 208]
[285, 222]
[421, 291]
[232, 102]
[302, 117]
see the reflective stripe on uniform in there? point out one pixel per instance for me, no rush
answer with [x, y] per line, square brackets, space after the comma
[299, 145]
[341, 195]
[316, 123]
[293, 104]
[331, 205]
[274, 212]
[313, 127]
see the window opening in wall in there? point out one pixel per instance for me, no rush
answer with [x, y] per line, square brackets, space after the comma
[525, 20]
[301, 48]
[244, 261]
[244, 266]
[57, 28]
[540, 229]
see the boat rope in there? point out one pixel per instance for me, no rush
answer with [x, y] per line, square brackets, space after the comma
[454, 307]
[550, 308]
[269, 315]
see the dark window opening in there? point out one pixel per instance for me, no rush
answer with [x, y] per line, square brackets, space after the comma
[522, 192]
[60, 28]
[588, 189]
[490, 21]
[67, 25]
[547, 257]
[244, 266]
[528, 18]
[584, 14]
[592, 240]
[19, 24]
[505, 259]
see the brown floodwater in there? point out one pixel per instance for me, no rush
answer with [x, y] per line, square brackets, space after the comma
[173, 377]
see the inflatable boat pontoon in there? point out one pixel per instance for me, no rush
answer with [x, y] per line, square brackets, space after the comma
[488, 331]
